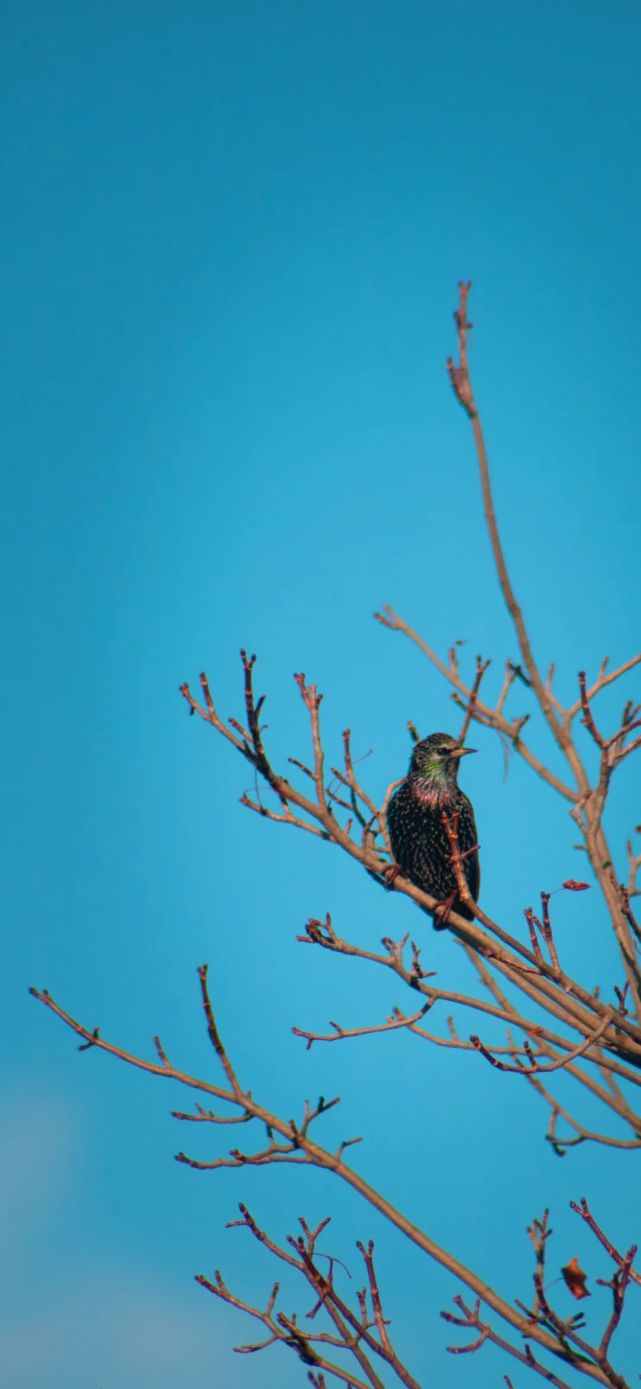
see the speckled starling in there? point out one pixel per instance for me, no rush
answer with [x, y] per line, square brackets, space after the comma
[418, 836]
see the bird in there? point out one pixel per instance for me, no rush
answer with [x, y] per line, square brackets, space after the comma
[418, 837]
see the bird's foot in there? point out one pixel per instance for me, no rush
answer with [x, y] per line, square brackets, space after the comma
[442, 912]
[390, 874]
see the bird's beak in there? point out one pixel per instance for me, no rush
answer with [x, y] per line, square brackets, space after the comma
[461, 752]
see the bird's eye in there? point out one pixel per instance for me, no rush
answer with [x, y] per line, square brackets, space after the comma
[443, 750]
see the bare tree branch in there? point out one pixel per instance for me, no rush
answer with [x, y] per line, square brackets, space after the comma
[549, 1021]
[298, 1144]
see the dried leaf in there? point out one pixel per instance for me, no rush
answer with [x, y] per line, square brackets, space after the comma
[573, 886]
[575, 1279]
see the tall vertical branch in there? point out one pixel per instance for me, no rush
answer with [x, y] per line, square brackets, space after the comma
[462, 386]
[590, 800]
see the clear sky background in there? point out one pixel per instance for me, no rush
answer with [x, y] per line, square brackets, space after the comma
[231, 239]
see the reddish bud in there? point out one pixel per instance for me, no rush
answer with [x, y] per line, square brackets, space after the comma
[573, 886]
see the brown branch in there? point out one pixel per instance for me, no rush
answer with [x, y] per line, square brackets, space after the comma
[275, 1153]
[471, 1320]
[582, 1208]
[631, 747]
[285, 819]
[451, 824]
[542, 1036]
[340, 1034]
[350, 776]
[207, 1116]
[333, 1162]
[601, 682]
[363, 1326]
[550, 1045]
[354, 1333]
[582, 1135]
[482, 713]
[318, 810]
[567, 1331]
[634, 862]
[540, 1232]
[324, 934]
[587, 807]
[588, 719]
[368, 1256]
[560, 727]
[600, 1028]
[398, 1020]
[481, 667]
[536, 1068]
[619, 1286]
[285, 1330]
[546, 931]
[549, 692]
[312, 701]
[460, 378]
[508, 681]
[459, 375]
[214, 1035]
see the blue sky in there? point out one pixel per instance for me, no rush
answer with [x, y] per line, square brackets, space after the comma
[231, 242]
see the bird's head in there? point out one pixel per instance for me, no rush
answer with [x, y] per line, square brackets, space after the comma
[435, 760]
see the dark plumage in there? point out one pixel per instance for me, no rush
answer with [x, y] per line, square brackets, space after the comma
[418, 836]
